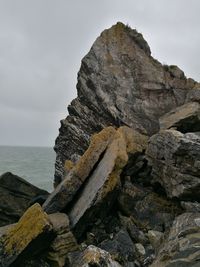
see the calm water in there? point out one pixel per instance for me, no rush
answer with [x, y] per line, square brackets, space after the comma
[35, 164]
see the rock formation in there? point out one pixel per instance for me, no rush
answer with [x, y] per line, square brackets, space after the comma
[127, 179]
[119, 83]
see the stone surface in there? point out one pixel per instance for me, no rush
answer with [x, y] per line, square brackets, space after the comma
[155, 238]
[120, 247]
[119, 83]
[185, 118]
[194, 94]
[33, 227]
[93, 256]
[64, 242]
[16, 195]
[99, 192]
[147, 209]
[181, 247]
[66, 190]
[175, 161]
[191, 206]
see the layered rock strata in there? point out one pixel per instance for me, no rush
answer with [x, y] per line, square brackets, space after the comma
[119, 83]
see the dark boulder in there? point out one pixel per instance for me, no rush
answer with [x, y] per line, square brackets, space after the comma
[16, 195]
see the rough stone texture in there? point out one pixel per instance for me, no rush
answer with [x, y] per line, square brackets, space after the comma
[147, 209]
[185, 118]
[66, 190]
[175, 160]
[99, 192]
[33, 225]
[181, 248]
[155, 238]
[120, 247]
[93, 256]
[119, 83]
[5, 228]
[15, 197]
[64, 242]
[194, 94]
[191, 206]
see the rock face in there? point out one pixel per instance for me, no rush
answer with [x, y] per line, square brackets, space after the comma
[16, 194]
[175, 161]
[182, 245]
[119, 83]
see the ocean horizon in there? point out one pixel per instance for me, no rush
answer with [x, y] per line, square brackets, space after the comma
[33, 163]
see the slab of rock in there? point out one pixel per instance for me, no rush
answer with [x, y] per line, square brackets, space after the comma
[94, 256]
[185, 118]
[16, 195]
[33, 227]
[181, 247]
[119, 83]
[66, 190]
[175, 161]
[99, 191]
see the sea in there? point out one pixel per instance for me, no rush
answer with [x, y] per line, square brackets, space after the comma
[34, 164]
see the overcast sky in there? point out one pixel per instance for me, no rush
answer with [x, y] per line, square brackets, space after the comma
[42, 43]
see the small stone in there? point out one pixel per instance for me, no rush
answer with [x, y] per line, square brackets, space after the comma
[94, 256]
[155, 238]
[140, 249]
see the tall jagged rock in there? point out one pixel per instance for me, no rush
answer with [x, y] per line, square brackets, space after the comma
[119, 83]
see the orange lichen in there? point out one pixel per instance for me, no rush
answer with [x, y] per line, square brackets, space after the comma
[97, 146]
[31, 224]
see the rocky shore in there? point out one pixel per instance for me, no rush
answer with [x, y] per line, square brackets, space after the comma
[127, 172]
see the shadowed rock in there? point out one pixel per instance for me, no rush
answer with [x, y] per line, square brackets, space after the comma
[185, 118]
[16, 195]
[34, 226]
[93, 187]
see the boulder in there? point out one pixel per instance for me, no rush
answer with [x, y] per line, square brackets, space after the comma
[93, 256]
[16, 195]
[101, 187]
[120, 247]
[185, 118]
[119, 83]
[181, 247]
[29, 237]
[175, 161]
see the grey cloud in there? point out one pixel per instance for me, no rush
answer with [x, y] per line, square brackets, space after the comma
[42, 44]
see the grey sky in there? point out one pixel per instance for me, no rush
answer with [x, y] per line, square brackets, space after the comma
[42, 43]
